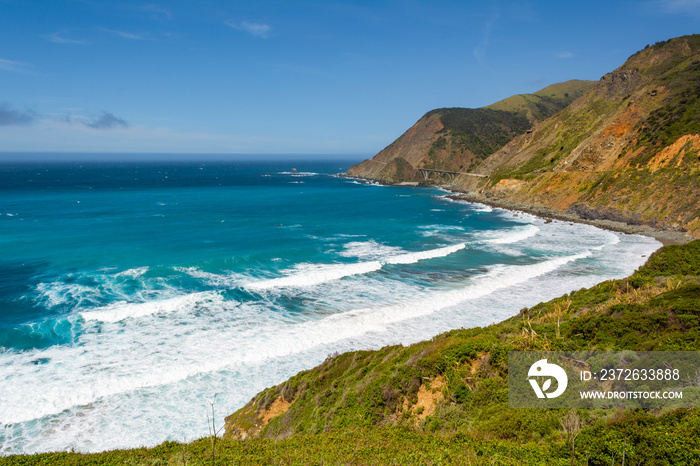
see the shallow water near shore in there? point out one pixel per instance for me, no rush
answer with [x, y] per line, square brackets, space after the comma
[134, 295]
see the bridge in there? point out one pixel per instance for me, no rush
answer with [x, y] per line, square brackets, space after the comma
[426, 172]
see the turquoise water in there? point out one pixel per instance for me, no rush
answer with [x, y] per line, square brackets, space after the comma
[132, 295]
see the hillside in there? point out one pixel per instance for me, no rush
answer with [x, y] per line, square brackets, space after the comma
[542, 104]
[456, 384]
[627, 150]
[457, 139]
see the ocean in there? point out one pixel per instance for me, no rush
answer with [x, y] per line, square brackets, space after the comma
[134, 295]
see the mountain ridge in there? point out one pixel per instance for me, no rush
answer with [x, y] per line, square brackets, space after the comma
[457, 139]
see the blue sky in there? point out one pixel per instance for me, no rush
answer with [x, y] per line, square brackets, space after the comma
[302, 77]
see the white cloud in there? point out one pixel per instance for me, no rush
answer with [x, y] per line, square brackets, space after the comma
[58, 38]
[255, 29]
[680, 6]
[11, 65]
[480, 49]
[565, 55]
[125, 35]
[74, 134]
[107, 121]
[157, 11]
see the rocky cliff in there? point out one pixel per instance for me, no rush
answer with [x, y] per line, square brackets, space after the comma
[627, 150]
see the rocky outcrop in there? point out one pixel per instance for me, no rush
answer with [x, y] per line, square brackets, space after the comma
[585, 212]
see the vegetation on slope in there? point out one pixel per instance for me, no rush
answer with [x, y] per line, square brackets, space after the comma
[480, 131]
[679, 113]
[544, 103]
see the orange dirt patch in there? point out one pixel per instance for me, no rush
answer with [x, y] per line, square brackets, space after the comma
[624, 123]
[279, 406]
[428, 399]
[509, 184]
[672, 156]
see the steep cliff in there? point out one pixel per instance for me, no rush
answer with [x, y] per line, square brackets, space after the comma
[627, 150]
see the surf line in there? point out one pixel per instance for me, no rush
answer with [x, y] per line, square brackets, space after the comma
[328, 272]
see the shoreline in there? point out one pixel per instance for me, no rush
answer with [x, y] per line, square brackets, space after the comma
[665, 237]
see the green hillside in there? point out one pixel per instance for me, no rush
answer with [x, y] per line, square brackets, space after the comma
[546, 102]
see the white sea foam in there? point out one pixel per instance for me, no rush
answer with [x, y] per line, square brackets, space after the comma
[474, 206]
[214, 279]
[298, 173]
[134, 273]
[305, 275]
[90, 289]
[59, 293]
[314, 274]
[442, 227]
[368, 250]
[517, 235]
[481, 207]
[412, 257]
[123, 310]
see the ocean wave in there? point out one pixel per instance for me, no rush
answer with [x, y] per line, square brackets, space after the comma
[515, 236]
[355, 323]
[120, 311]
[315, 274]
[133, 273]
[442, 227]
[368, 250]
[412, 257]
[298, 173]
[210, 278]
[475, 206]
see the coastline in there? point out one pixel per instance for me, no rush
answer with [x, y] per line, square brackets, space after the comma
[665, 237]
